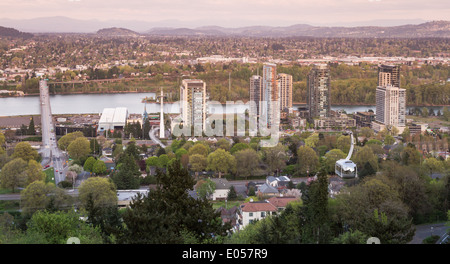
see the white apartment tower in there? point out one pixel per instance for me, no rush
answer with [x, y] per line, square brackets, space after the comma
[193, 100]
[284, 82]
[391, 106]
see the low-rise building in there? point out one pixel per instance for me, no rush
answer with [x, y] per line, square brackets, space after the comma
[364, 119]
[222, 189]
[254, 211]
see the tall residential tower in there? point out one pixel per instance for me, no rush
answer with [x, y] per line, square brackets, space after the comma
[319, 91]
[193, 99]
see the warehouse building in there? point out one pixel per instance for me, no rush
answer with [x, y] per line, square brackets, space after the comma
[113, 118]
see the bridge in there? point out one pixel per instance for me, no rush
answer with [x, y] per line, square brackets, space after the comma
[51, 154]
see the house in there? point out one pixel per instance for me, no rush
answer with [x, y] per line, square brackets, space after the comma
[267, 190]
[125, 197]
[110, 164]
[254, 211]
[335, 185]
[278, 182]
[281, 202]
[107, 152]
[222, 189]
[230, 216]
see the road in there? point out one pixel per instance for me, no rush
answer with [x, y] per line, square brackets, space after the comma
[154, 138]
[424, 231]
[51, 154]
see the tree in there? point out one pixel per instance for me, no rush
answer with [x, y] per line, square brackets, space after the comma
[168, 212]
[389, 140]
[79, 148]
[308, 161]
[238, 147]
[24, 151]
[65, 140]
[198, 163]
[316, 217]
[199, 149]
[205, 188]
[433, 165]
[180, 152]
[38, 195]
[14, 174]
[363, 155]
[34, 172]
[223, 144]
[101, 190]
[57, 227]
[96, 148]
[127, 173]
[221, 161]
[89, 164]
[232, 193]
[343, 143]
[367, 132]
[312, 140]
[331, 157]
[76, 168]
[248, 164]
[275, 158]
[99, 167]
[31, 128]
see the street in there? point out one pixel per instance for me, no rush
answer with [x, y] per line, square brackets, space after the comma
[51, 154]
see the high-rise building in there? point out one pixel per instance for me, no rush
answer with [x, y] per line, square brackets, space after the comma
[193, 100]
[255, 94]
[285, 87]
[389, 75]
[391, 106]
[318, 91]
[270, 107]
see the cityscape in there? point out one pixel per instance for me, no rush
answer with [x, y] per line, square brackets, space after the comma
[225, 136]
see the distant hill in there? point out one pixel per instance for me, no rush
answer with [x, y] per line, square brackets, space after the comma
[11, 32]
[117, 32]
[429, 29]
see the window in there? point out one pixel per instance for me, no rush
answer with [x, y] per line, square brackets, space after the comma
[263, 214]
[250, 214]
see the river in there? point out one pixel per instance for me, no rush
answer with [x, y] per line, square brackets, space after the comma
[95, 103]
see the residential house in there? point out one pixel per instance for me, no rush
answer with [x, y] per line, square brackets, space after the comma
[125, 197]
[267, 190]
[278, 182]
[281, 202]
[230, 216]
[254, 211]
[222, 189]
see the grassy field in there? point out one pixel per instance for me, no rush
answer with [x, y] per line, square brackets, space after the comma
[229, 204]
[50, 173]
[9, 206]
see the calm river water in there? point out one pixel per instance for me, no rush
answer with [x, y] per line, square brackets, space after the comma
[94, 103]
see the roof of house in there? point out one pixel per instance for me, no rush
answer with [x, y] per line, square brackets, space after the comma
[265, 188]
[221, 183]
[262, 206]
[281, 201]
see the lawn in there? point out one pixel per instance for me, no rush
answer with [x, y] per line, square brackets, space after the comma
[229, 204]
[9, 206]
[5, 191]
[50, 175]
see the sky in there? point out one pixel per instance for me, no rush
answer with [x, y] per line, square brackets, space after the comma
[232, 12]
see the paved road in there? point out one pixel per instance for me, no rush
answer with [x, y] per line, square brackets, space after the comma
[424, 231]
[154, 138]
[51, 155]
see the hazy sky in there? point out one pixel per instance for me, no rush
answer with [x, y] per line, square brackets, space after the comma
[232, 12]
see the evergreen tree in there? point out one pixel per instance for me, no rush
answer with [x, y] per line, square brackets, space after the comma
[31, 128]
[127, 173]
[166, 214]
[315, 211]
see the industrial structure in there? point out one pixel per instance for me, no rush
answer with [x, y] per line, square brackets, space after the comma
[113, 118]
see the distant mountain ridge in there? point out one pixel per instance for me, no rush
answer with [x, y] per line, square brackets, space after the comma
[428, 29]
[11, 32]
[119, 32]
[60, 24]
